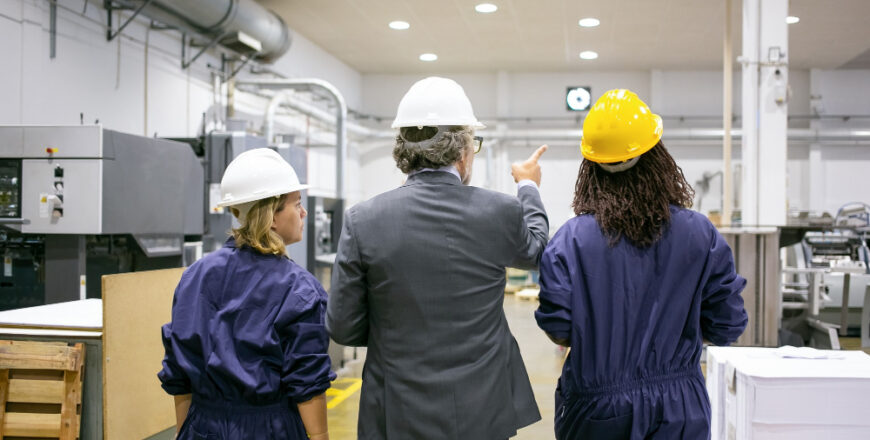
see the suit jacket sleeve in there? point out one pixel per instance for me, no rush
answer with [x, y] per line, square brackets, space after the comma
[347, 313]
[532, 229]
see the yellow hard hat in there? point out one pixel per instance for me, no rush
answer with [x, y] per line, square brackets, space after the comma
[619, 127]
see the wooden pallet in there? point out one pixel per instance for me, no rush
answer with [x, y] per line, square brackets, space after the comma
[40, 389]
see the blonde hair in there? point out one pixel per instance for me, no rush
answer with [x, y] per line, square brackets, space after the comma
[256, 230]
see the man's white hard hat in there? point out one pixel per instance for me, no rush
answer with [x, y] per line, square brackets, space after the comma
[435, 101]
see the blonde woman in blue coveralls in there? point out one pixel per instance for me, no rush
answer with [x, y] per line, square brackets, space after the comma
[246, 349]
[633, 284]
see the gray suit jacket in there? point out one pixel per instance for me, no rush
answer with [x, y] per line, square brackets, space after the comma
[419, 279]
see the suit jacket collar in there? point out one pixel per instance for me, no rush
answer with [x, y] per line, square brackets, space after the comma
[432, 178]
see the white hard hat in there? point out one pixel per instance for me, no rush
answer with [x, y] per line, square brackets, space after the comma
[435, 101]
[257, 174]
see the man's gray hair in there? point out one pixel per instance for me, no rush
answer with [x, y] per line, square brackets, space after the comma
[431, 147]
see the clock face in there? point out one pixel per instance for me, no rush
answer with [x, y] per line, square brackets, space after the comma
[578, 98]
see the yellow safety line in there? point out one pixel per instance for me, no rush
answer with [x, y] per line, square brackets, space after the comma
[341, 395]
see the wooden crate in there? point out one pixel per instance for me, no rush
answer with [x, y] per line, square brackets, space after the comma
[40, 389]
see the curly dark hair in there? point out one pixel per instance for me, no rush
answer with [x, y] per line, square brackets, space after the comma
[443, 152]
[634, 203]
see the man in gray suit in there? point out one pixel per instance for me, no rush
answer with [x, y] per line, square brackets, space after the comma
[419, 280]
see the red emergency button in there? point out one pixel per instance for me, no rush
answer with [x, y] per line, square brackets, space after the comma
[50, 150]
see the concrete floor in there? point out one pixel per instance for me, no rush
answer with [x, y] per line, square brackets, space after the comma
[543, 361]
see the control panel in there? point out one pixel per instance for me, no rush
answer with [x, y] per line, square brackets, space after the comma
[10, 188]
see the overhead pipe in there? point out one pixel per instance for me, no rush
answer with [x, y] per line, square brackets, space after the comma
[316, 112]
[219, 19]
[712, 134]
[678, 134]
[284, 84]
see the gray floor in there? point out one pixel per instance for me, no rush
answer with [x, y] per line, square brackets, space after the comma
[543, 361]
[542, 358]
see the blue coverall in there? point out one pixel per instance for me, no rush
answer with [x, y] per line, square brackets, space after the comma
[635, 319]
[248, 340]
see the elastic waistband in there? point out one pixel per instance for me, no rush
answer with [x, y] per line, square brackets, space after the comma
[239, 406]
[639, 382]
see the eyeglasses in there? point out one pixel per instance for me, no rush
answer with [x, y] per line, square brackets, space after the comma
[478, 144]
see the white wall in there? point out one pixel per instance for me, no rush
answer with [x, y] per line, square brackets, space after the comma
[692, 94]
[106, 81]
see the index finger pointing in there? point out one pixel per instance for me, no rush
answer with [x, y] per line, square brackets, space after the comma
[537, 154]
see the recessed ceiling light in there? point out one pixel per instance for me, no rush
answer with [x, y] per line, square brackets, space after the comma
[791, 19]
[399, 25]
[588, 22]
[588, 55]
[428, 57]
[486, 8]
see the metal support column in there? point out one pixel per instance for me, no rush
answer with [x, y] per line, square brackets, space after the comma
[727, 97]
[765, 112]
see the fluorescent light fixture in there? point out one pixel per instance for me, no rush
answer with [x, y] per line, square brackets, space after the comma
[486, 8]
[588, 22]
[588, 55]
[399, 25]
[428, 57]
[791, 19]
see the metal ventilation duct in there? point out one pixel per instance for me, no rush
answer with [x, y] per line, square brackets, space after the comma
[241, 25]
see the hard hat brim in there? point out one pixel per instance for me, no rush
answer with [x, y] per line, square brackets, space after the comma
[263, 195]
[403, 124]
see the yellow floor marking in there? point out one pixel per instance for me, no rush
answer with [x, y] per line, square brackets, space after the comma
[340, 394]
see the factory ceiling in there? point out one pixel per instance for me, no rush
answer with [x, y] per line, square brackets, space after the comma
[543, 35]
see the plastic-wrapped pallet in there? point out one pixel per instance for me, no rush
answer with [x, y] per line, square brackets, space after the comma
[795, 394]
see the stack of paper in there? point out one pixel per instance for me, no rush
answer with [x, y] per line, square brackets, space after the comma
[789, 393]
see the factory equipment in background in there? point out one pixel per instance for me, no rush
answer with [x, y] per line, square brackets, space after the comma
[325, 218]
[324, 228]
[826, 280]
[78, 202]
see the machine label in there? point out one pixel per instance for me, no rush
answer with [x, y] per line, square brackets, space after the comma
[43, 205]
[7, 266]
[214, 197]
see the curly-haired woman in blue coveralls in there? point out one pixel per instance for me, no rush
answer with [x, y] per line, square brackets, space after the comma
[246, 349]
[633, 284]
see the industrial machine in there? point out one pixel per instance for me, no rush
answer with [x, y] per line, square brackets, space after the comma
[324, 228]
[826, 278]
[78, 202]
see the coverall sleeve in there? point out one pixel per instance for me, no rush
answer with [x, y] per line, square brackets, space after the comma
[533, 228]
[347, 316]
[172, 377]
[723, 317]
[554, 313]
[306, 369]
